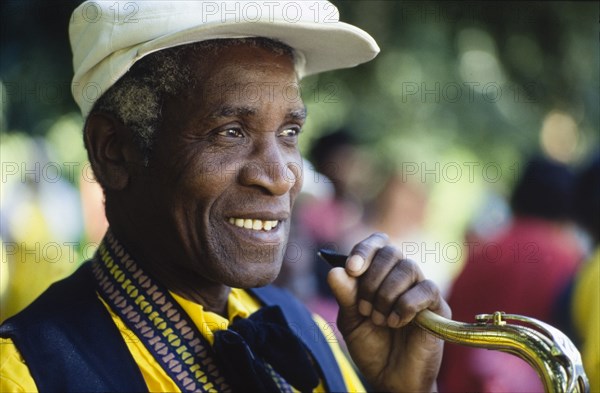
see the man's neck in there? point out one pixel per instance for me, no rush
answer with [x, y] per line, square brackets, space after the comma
[189, 285]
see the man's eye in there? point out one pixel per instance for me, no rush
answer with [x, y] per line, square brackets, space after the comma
[290, 132]
[232, 133]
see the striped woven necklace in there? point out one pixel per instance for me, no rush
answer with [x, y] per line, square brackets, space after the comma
[157, 320]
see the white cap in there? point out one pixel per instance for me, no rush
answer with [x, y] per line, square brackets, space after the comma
[108, 37]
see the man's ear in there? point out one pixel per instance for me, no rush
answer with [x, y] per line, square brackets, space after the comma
[111, 150]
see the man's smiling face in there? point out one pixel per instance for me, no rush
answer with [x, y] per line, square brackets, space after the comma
[226, 168]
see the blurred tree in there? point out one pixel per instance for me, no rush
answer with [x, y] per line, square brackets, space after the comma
[478, 74]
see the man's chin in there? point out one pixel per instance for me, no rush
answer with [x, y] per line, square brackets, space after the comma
[256, 278]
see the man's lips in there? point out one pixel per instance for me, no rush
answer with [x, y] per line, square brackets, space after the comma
[254, 223]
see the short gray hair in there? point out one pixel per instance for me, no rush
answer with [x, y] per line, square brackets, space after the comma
[136, 99]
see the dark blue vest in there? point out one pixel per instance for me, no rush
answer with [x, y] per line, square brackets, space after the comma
[70, 342]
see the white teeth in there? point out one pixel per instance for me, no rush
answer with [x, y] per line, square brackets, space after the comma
[257, 225]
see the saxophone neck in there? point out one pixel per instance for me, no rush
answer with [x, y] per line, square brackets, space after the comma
[550, 352]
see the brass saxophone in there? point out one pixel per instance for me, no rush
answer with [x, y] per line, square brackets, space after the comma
[549, 351]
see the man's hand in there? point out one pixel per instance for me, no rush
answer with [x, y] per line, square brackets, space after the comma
[379, 294]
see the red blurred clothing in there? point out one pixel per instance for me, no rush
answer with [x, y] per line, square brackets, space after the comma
[522, 271]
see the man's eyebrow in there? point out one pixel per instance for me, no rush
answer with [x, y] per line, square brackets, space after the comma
[298, 114]
[230, 111]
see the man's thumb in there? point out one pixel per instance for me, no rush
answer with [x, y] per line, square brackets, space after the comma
[343, 286]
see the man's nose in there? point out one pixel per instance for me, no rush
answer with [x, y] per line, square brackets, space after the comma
[271, 169]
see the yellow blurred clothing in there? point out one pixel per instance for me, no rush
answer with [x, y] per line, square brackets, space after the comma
[15, 377]
[586, 317]
[34, 259]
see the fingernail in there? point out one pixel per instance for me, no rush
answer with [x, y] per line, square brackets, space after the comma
[378, 318]
[393, 320]
[355, 263]
[364, 307]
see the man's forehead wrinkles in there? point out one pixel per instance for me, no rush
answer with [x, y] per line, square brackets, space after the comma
[235, 72]
[232, 82]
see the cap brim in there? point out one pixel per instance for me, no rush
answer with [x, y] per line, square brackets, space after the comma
[324, 47]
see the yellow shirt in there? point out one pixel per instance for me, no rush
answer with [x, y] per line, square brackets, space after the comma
[586, 317]
[15, 376]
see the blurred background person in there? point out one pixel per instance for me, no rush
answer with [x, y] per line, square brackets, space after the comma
[523, 271]
[586, 293]
[337, 162]
[400, 210]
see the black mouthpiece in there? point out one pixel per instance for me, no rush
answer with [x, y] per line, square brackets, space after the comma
[333, 258]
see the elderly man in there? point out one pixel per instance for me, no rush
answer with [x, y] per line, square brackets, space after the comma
[194, 140]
